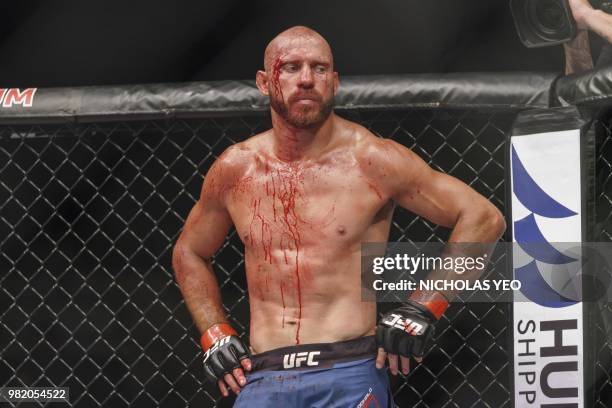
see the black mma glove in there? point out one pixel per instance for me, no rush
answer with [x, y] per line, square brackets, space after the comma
[223, 351]
[407, 330]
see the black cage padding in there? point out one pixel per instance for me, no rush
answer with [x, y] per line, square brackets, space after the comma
[199, 99]
[592, 88]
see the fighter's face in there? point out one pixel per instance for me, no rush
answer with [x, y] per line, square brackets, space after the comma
[302, 84]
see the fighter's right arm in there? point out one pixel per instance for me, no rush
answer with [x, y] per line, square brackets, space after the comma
[206, 227]
[203, 234]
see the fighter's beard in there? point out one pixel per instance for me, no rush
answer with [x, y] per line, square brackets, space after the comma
[304, 118]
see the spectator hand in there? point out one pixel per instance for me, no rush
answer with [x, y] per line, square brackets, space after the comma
[580, 10]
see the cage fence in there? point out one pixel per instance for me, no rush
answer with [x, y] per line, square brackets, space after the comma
[89, 213]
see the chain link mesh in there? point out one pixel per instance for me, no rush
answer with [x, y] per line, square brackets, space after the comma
[88, 217]
[601, 313]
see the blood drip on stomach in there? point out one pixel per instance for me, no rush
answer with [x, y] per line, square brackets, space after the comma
[287, 197]
[282, 189]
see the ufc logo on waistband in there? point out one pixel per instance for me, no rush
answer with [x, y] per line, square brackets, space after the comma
[295, 360]
[407, 325]
[216, 346]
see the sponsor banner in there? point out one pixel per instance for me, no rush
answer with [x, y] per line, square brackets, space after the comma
[548, 321]
[11, 97]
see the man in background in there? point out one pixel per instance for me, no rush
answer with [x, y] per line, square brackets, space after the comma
[578, 51]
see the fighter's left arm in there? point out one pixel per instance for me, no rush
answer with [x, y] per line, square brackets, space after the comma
[447, 201]
[443, 200]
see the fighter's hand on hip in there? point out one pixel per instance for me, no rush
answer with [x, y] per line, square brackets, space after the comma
[225, 357]
[407, 331]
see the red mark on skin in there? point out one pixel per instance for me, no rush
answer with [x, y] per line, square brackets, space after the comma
[242, 185]
[271, 192]
[282, 188]
[276, 70]
[289, 178]
[251, 239]
[212, 185]
[234, 186]
[219, 182]
[284, 246]
[411, 196]
[373, 187]
[283, 300]
[265, 233]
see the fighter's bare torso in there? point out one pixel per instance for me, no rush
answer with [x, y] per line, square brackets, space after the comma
[302, 224]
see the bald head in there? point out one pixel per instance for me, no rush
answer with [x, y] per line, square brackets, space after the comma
[299, 78]
[295, 38]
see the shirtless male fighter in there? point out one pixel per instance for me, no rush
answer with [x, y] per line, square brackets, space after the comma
[303, 196]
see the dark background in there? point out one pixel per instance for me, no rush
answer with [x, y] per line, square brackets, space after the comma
[97, 42]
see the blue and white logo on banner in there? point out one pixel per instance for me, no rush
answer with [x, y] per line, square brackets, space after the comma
[547, 318]
[531, 239]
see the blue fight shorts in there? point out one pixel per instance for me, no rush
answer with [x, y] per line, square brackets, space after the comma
[341, 374]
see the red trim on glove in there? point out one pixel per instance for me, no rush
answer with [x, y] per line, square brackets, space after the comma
[216, 332]
[434, 301]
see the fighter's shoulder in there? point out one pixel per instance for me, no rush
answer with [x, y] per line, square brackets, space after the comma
[237, 157]
[372, 149]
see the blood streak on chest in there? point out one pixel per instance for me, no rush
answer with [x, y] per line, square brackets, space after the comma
[263, 231]
[282, 188]
[271, 190]
[289, 179]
